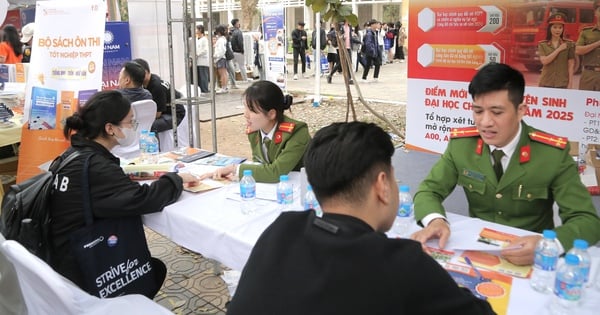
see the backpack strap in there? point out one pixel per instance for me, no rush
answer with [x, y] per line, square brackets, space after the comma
[85, 187]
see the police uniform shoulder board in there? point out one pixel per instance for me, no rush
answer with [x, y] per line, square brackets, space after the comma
[287, 127]
[464, 132]
[549, 139]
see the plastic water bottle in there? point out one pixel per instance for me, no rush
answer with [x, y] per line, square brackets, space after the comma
[152, 148]
[247, 192]
[143, 147]
[311, 202]
[308, 61]
[544, 265]
[567, 287]
[580, 249]
[285, 193]
[404, 217]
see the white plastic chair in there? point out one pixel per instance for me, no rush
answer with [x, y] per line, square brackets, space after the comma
[166, 139]
[144, 112]
[47, 292]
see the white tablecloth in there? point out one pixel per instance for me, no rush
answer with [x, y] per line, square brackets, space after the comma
[212, 224]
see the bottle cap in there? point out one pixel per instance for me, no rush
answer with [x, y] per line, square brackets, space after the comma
[283, 178]
[580, 244]
[145, 131]
[308, 188]
[404, 188]
[549, 234]
[571, 259]
[247, 172]
[151, 133]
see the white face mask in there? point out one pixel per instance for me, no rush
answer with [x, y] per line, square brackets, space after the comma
[130, 136]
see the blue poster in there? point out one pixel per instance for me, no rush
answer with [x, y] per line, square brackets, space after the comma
[273, 18]
[27, 15]
[117, 50]
[43, 109]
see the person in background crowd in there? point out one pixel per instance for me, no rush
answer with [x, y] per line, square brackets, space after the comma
[230, 56]
[161, 94]
[356, 46]
[332, 55]
[219, 57]
[400, 41]
[389, 33]
[371, 50]
[202, 62]
[381, 30]
[131, 80]
[104, 122]
[299, 45]
[307, 264]
[11, 48]
[322, 44]
[511, 173]
[557, 55]
[346, 35]
[259, 53]
[588, 46]
[27, 39]
[277, 141]
[237, 45]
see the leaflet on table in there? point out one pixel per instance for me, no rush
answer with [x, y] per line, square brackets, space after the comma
[205, 185]
[494, 262]
[494, 287]
[219, 160]
[147, 171]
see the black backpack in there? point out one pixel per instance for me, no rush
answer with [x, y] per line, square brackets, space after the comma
[332, 38]
[25, 215]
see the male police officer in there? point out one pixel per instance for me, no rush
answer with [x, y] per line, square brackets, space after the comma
[511, 173]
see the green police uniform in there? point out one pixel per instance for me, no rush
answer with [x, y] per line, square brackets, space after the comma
[590, 74]
[285, 151]
[556, 73]
[540, 172]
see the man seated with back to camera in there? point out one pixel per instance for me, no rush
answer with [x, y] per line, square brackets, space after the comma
[534, 171]
[343, 263]
[161, 94]
[131, 79]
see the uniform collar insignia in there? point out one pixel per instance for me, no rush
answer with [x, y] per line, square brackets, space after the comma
[525, 154]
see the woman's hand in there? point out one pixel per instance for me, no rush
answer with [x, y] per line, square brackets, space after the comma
[223, 172]
[189, 179]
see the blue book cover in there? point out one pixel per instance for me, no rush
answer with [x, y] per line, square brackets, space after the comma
[43, 109]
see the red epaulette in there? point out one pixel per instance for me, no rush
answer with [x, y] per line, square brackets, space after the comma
[549, 139]
[464, 132]
[287, 127]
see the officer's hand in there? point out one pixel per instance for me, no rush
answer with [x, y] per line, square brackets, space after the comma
[562, 47]
[438, 228]
[523, 250]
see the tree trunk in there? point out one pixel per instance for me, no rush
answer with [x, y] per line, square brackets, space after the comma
[249, 10]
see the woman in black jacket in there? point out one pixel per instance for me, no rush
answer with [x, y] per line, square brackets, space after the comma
[104, 122]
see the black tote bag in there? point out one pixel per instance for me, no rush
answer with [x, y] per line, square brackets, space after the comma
[112, 253]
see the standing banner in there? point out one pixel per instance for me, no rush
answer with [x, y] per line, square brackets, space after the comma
[273, 25]
[65, 70]
[117, 51]
[451, 40]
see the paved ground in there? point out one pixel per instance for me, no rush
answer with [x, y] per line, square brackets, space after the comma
[193, 285]
[391, 87]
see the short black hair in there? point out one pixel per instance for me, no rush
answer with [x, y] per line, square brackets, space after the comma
[220, 30]
[343, 159]
[200, 28]
[109, 106]
[234, 21]
[497, 77]
[142, 63]
[135, 71]
[265, 95]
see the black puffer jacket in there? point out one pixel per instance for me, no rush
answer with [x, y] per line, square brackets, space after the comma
[112, 195]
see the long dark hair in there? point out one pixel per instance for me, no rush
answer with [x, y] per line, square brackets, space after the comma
[11, 36]
[103, 107]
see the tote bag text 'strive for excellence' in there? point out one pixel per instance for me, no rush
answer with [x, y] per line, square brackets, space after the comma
[114, 258]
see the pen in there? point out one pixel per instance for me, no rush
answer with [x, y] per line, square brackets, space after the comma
[520, 188]
[474, 268]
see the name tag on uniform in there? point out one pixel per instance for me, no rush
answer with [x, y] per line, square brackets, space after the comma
[474, 175]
